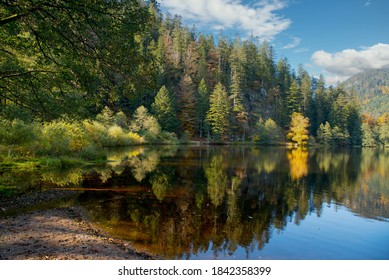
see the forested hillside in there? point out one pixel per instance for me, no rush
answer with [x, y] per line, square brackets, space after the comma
[71, 59]
[372, 87]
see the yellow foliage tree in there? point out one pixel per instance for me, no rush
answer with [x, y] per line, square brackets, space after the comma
[298, 131]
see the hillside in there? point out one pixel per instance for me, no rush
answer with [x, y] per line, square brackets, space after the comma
[372, 87]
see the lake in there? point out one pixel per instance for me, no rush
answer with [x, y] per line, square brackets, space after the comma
[234, 202]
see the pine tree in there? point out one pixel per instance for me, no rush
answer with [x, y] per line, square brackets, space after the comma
[370, 137]
[321, 111]
[144, 123]
[218, 114]
[202, 60]
[236, 62]
[164, 110]
[324, 134]
[267, 67]
[354, 121]
[306, 92]
[345, 114]
[187, 106]
[223, 50]
[384, 134]
[283, 80]
[251, 84]
[294, 98]
[202, 107]
[212, 64]
[191, 58]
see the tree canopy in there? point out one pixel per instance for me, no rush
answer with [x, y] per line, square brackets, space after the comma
[73, 59]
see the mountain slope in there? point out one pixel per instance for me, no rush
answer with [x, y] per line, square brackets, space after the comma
[372, 88]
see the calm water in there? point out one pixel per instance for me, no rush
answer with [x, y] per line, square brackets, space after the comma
[224, 202]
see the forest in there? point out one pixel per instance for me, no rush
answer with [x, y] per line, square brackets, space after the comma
[77, 76]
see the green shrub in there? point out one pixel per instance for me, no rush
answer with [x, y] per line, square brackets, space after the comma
[144, 123]
[17, 132]
[106, 117]
[121, 119]
[63, 138]
[168, 138]
[135, 138]
[118, 137]
[267, 132]
[97, 132]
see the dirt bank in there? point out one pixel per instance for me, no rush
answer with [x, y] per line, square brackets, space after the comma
[63, 233]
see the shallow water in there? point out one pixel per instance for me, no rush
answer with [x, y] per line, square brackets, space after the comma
[229, 202]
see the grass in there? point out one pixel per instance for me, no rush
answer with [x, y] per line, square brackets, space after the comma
[7, 191]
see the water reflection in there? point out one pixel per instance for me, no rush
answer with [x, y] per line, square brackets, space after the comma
[221, 202]
[298, 161]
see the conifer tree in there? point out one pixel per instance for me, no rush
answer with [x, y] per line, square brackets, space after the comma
[321, 110]
[239, 114]
[202, 107]
[283, 80]
[370, 136]
[223, 50]
[190, 61]
[324, 134]
[219, 111]
[187, 105]
[212, 65]
[202, 60]
[164, 110]
[267, 67]
[294, 98]
[306, 92]
[236, 62]
[384, 134]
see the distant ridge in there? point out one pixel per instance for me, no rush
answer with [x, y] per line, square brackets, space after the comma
[372, 88]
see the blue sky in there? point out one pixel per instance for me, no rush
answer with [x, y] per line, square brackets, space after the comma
[337, 38]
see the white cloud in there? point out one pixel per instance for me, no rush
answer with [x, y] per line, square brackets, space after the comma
[259, 19]
[344, 64]
[368, 3]
[295, 42]
[301, 50]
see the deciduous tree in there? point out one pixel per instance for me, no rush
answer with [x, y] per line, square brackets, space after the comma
[298, 132]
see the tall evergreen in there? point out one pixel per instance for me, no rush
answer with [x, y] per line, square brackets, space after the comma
[202, 108]
[321, 109]
[219, 112]
[294, 98]
[187, 106]
[164, 110]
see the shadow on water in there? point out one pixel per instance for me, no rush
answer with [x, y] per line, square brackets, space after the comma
[226, 202]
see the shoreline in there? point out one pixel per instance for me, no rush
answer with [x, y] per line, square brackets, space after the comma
[60, 233]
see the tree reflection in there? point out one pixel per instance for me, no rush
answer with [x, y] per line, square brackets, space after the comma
[298, 162]
[217, 180]
[63, 178]
[142, 165]
[190, 201]
[160, 184]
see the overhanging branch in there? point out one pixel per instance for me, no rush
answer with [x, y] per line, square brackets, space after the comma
[11, 75]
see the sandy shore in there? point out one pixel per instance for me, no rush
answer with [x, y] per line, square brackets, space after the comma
[62, 233]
